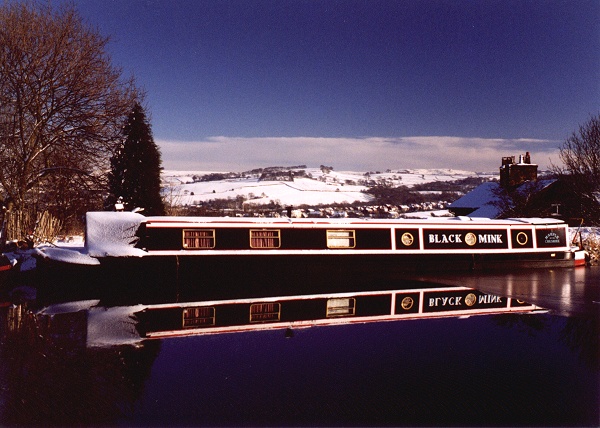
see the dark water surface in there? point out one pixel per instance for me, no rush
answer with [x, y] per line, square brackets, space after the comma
[509, 370]
[567, 291]
[491, 370]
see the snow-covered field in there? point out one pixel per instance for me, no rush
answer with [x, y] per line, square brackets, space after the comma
[320, 187]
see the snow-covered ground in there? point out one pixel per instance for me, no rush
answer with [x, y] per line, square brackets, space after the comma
[318, 188]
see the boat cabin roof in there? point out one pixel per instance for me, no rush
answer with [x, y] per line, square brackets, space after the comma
[240, 221]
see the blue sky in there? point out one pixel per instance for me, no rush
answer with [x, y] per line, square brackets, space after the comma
[359, 85]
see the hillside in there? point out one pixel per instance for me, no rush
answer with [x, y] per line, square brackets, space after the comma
[309, 186]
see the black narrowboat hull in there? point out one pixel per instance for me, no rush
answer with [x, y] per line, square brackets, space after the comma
[227, 277]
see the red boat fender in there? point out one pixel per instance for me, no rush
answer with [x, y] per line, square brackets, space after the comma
[4, 263]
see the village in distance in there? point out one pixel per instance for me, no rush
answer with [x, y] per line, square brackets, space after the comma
[301, 191]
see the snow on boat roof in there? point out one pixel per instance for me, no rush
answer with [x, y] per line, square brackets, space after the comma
[171, 221]
[68, 256]
[538, 220]
[112, 234]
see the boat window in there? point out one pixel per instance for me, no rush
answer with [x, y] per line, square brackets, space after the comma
[265, 238]
[194, 239]
[341, 239]
[263, 312]
[340, 307]
[198, 317]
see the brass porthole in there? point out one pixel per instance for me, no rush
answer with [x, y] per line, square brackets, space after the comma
[407, 303]
[407, 239]
[522, 238]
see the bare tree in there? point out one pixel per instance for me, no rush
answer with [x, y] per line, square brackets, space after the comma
[519, 201]
[580, 155]
[62, 102]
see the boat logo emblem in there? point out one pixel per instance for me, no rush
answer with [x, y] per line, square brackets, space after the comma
[552, 238]
[470, 299]
[470, 239]
[407, 303]
[407, 239]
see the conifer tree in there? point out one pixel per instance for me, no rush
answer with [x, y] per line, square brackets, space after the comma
[136, 167]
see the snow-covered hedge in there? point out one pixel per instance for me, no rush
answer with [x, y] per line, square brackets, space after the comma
[590, 238]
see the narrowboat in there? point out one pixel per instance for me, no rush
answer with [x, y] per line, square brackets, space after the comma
[252, 257]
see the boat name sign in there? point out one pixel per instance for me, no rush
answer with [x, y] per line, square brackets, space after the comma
[453, 239]
[470, 238]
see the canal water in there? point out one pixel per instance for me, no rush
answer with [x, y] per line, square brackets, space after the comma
[539, 369]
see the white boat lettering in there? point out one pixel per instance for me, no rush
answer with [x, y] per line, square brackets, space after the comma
[442, 238]
[445, 301]
[489, 238]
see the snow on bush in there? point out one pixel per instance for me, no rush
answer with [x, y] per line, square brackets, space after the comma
[590, 240]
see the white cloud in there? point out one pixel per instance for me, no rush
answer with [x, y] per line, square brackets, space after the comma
[359, 154]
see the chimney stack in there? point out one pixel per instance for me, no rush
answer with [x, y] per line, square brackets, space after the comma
[514, 174]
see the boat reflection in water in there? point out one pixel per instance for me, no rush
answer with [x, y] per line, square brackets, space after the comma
[446, 355]
[100, 325]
